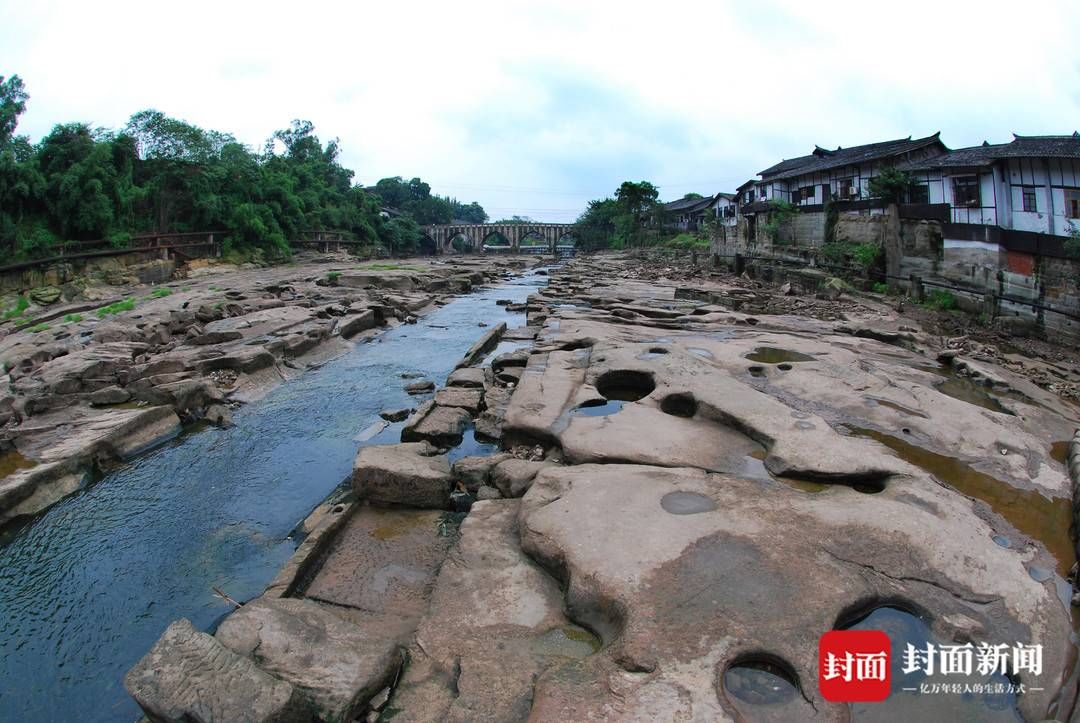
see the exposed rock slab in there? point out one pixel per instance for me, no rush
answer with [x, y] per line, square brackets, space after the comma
[330, 661]
[189, 676]
[407, 474]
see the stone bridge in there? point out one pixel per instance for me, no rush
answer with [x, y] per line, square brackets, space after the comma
[475, 236]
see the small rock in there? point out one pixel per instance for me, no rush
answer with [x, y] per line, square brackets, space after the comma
[396, 415]
[421, 387]
[109, 395]
[45, 295]
[488, 493]
[219, 415]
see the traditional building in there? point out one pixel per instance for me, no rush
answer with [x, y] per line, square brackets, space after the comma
[840, 176]
[686, 214]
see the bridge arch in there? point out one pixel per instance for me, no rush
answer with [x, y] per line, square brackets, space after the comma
[461, 242]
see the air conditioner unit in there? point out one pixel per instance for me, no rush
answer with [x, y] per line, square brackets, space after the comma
[852, 191]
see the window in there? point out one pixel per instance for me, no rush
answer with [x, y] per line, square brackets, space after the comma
[806, 193]
[748, 197]
[920, 193]
[1028, 194]
[761, 193]
[1072, 204]
[846, 189]
[966, 191]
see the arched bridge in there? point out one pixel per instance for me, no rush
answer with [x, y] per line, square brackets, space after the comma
[514, 237]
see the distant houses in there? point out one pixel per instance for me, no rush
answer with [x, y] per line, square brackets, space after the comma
[990, 219]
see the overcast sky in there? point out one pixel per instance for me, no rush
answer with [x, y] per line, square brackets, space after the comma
[535, 107]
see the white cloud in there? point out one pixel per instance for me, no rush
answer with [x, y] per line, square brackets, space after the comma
[536, 107]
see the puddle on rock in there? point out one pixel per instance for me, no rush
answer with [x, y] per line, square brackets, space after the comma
[753, 467]
[1059, 452]
[1037, 516]
[12, 461]
[775, 355]
[686, 503]
[566, 642]
[966, 391]
[905, 700]
[698, 351]
[471, 446]
[760, 683]
[597, 408]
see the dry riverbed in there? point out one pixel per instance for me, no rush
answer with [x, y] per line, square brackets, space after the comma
[690, 491]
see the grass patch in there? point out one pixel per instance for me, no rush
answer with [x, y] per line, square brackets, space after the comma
[120, 306]
[21, 305]
[73, 318]
[940, 300]
[333, 276]
[161, 292]
[390, 267]
[686, 241]
[38, 327]
[880, 288]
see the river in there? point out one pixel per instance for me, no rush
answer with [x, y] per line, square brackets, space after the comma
[88, 586]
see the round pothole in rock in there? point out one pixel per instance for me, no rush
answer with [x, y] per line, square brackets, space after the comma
[756, 371]
[698, 351]
[774, 355]
[760, 682]
[679, 405]
[1002, 541]
[597, 408]
[686, 503]
[804, 425]
[784, 367]
[625, 385]
[1039, 574]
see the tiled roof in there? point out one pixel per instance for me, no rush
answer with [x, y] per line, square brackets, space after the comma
[823, 160]
[688, 204]
[1019, 147]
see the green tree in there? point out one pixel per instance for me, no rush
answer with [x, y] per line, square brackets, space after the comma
[13, 99]
[891, 185]
[637, 204]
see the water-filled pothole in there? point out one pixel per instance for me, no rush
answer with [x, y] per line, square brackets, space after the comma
[756, 371]
[775, 355]
[1041, 518]
[760, 681]
[12, 461]
[966, 391]
[686, 503]
[906, 699]
[1059, 451]
[681, 404]
[625, 385]
[597, 408]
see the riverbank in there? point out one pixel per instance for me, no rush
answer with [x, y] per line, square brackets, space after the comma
[109, 372]
[687, 491]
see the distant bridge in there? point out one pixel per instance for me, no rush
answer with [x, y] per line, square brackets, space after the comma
[513, 237]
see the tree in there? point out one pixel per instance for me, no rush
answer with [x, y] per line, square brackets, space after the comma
[637, 204]
[780, 212]
[596, 226]
[13, 99]
[891, 185]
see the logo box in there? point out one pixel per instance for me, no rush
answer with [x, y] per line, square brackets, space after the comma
[854, 666]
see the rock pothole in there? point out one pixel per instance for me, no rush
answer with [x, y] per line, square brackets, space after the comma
[625, 385]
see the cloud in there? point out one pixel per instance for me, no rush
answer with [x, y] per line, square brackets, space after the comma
[535, 107]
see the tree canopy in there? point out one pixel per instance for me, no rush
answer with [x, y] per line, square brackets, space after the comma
[160, 174]
[622, 221]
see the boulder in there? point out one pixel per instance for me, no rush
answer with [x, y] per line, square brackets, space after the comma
[330, 661]
[513, 477]
[466, 377]
[488, 493]
[406, 474]
[475, 471]
[45, 295]
[189, 676]
[443, 426]
[109, 395]
[470, 400]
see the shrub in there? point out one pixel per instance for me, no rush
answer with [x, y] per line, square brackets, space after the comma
[333, 276]
[881, 287]
[21, 305]
[161, 292]
[1072, 244]
[38, 327]
[940, 300]
[115, 308]
[73, 318]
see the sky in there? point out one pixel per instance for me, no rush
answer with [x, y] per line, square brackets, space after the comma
[533, 108]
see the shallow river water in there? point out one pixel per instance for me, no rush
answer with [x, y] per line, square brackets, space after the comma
[88, 586]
